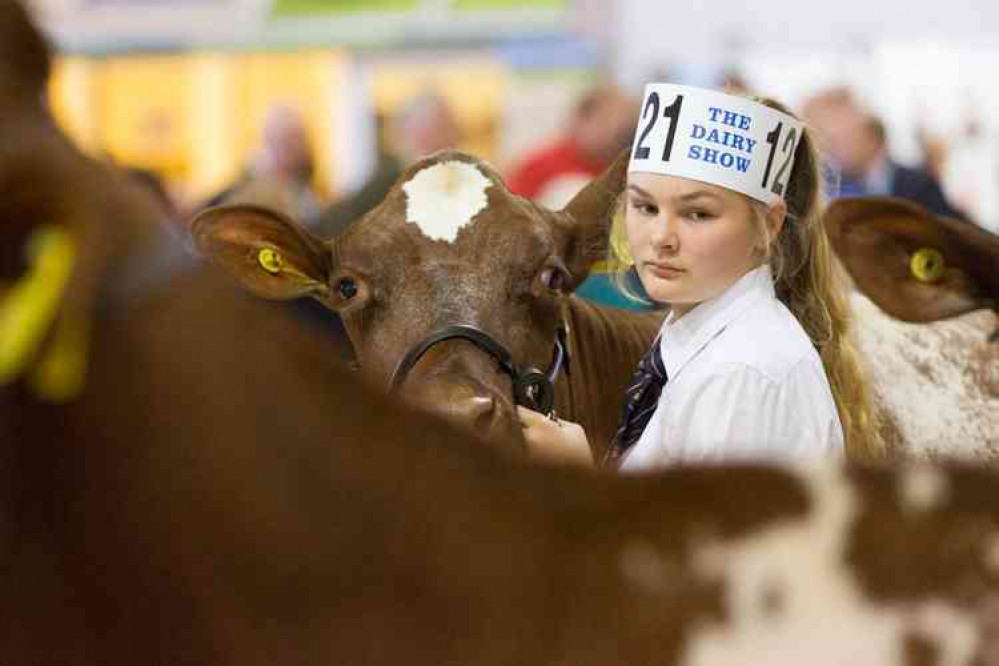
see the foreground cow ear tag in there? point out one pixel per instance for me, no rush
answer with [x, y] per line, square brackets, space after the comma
[927, 265]
[28, 309]
[270, 260]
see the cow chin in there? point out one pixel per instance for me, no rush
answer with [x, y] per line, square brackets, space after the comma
[464, 403]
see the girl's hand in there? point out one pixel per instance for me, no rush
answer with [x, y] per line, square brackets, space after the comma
[554, 440]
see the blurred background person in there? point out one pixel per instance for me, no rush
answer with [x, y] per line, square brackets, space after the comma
[601, 125]
[423, 125]
[855, 143]
[280, 173]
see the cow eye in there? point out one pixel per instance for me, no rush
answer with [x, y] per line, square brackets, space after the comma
[348, 291]
[347, 288]
[555, 278]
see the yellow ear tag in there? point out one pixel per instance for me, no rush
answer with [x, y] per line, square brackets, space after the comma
[61, 373]
[29, 308]
[927, 265]
[270, 260]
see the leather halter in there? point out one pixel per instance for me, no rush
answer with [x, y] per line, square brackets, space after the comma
[532, 388]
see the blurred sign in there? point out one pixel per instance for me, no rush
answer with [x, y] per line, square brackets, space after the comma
[104, 26]
[288, 7]
[509, 4]
[119, 26]
[101, 4]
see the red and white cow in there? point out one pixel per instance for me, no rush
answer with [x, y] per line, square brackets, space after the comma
[926, 320]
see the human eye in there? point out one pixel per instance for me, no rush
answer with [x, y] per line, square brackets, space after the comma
[699, 215]
[644, 207]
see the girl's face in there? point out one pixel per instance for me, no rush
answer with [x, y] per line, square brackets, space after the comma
[691, 240]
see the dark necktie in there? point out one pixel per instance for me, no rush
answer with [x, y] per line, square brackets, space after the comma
[640, 402]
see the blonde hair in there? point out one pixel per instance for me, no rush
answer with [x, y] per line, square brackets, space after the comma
[809, 281]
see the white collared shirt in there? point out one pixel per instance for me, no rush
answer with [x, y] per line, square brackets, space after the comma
[744, 383]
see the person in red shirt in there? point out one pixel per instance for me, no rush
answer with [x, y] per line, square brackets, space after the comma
[601, 125]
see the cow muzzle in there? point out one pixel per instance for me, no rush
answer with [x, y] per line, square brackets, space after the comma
[532, 388]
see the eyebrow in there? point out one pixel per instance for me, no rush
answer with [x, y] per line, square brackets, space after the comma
[640, 192]
[699, 194]
[691, 196]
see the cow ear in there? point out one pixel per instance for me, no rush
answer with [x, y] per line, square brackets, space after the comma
[585, 222]
[914, 265]
[268, 253]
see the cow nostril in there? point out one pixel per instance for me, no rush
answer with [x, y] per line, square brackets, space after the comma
[475, 409]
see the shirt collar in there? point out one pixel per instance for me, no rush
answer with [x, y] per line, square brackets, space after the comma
[683, 338]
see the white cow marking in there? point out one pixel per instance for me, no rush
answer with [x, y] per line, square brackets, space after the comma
[444, 197]
[824, 618]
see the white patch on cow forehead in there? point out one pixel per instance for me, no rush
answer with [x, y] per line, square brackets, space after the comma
[444, 197]
[922, 487]
[792, 598]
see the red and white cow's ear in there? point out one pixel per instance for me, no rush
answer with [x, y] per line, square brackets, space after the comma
[268, 253]
[914, 265]
[585, 222]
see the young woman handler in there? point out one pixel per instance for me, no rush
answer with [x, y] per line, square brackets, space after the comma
[722, 218]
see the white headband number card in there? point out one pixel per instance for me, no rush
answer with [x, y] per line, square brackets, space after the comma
[724, 140]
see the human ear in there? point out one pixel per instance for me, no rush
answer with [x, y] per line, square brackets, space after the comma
[772, 216]
[776, 212]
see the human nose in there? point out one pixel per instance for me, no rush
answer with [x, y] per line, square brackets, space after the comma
[665, 236]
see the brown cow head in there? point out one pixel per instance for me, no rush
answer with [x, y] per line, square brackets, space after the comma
[914, 265]
[449, 245]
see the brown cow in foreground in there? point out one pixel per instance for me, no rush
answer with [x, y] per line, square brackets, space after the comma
[937, 371]
[132, 534]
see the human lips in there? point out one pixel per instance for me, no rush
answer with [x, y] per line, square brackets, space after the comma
[662, 269]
